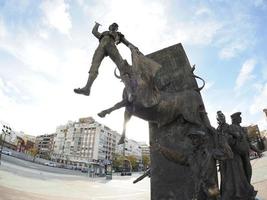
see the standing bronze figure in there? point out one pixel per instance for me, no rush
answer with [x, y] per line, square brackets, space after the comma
[107, 47]
[236, 171]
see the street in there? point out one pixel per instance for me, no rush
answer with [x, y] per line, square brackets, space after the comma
[35, 166]
[24, 180]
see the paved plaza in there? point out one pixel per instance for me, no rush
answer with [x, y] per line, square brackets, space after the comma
[38, 182]
[22, 180]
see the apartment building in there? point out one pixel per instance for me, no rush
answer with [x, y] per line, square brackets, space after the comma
[85, 141]
[45, 144]
[144, 149]
[131, 148]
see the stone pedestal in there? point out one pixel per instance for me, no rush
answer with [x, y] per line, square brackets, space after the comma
[171, 181]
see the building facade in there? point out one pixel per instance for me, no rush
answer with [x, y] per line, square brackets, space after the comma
[131, 147]
[85, 141]
[144, 149]
[45, 144]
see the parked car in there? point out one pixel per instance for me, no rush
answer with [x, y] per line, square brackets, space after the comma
[7, 152]
[84, 169]
[50, 164]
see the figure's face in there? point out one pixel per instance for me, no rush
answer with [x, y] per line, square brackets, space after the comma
[220, 118]
[113, 27]
[237, 120]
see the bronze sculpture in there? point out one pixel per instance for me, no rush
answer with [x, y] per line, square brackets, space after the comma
[161, 89]
[107, 47]
[150, 103]
[236, 171]
[148, 95]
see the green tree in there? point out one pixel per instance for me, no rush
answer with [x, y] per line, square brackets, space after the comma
[33, 152]
[117, 162]
[133, 161]
[146, 161]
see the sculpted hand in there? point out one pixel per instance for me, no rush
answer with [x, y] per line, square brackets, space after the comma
[98, 24]
[132, 47]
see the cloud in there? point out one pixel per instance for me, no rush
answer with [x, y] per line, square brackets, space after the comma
[203, 11]
[260, 4]
[259, 101]
[208, 85]
[232, 49]
[2, 29]
[36, 54]
[245, 73]
[197, 32]
[56, 15]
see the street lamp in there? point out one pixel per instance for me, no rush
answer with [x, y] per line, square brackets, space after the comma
[5, 130]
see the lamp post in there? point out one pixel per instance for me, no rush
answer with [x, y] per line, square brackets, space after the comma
[5, 130]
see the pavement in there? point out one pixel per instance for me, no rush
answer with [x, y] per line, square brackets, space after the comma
[23, 180]
[37, 182]
[259, 176]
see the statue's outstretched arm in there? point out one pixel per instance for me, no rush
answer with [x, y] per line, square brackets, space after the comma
[95, 30]
[127, 43]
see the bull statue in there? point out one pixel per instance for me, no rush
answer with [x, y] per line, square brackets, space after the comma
[142, 97]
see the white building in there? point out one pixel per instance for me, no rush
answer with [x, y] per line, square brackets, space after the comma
[145, 149]
[45, 144]
[131, 148]
[83, 142]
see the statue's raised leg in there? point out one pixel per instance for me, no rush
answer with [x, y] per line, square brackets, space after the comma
[127, 117]
[117, 106]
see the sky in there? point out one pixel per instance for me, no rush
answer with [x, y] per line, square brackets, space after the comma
[46, 49]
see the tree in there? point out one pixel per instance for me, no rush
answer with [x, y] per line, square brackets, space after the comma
[33, 152]
[133, 161]
[117, 162]
[146, 161]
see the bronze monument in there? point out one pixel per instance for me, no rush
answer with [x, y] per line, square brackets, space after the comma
[161, 88]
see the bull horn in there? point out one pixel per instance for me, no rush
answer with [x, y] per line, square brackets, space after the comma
[193, 68]
[115, 74]
[200, 88]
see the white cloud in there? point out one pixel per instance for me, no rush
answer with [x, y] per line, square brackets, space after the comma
[245, 73]
[2, 29]
[208, 86]
[44, 34]
[259, 101]
[203, 11]
[56, 15]
[232, 49]
[37, 55]
[197, 32]
[260, 3]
